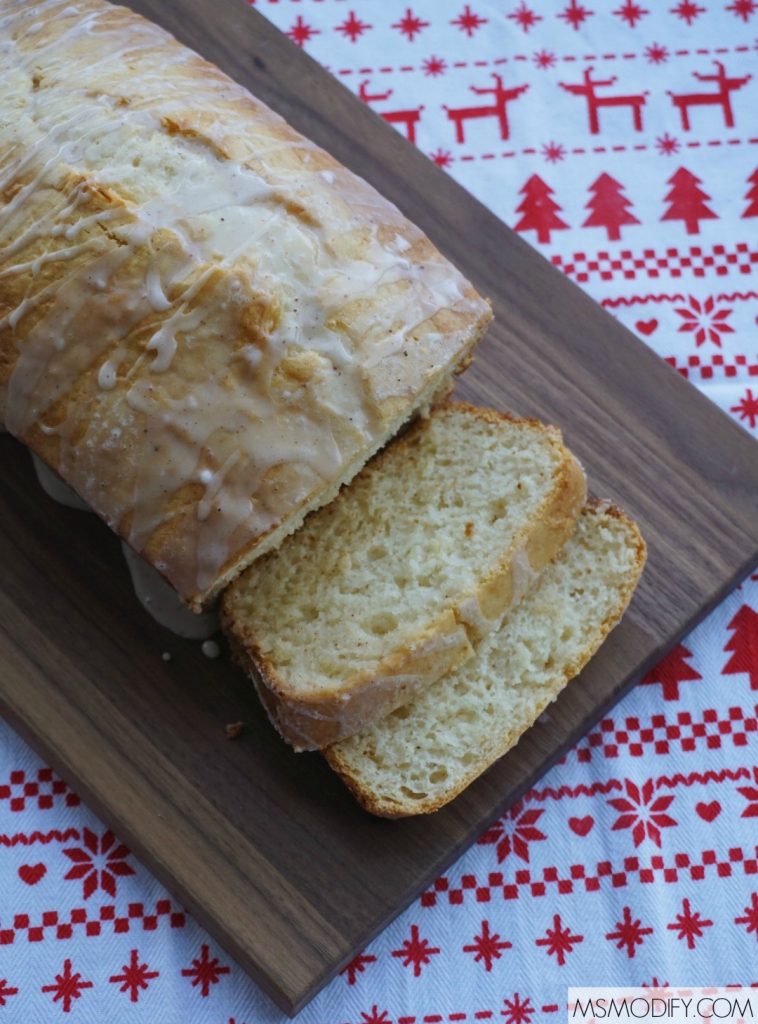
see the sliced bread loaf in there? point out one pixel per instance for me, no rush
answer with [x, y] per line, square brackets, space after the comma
[385, 590]
[425, 753]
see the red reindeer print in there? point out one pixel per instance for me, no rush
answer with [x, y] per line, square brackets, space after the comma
[588, 89]
[497, 109]
[609, 206]
[720, 97]
[408, 118]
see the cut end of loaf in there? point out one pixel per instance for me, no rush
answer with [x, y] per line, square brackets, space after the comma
[422, 755]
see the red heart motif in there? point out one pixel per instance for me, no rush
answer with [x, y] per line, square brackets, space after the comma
[582, 826]
[709, 812]
[646, 327]
[32, 873]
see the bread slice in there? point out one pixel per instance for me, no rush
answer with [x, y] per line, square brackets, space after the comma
[387, 589]
[425, 753]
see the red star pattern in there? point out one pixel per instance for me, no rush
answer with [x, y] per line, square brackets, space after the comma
[744, 9]
[97, 861]
[352, 27]
[487, 947]
[524, 16]
[553, 152]
[469, 22]
[667, 145]
[575, 14]
[357, 966]
[643, 814]
[375, 1016]
[707, 322]
[67, 987]
[559, 940]
[747, 408]
[687, 11]
[442, 157]
[300, 32]
[134, 977]
[750, 920]
[631, 13]
[433, 66]
[416, 951]
[516, 1011]
[544, 59]
[410, 25]
[6, 991]
[629, 933]
[516, 836]
[689, 925]
[204, 971]
[656, 54]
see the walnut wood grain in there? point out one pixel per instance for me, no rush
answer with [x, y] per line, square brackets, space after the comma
[265, 847]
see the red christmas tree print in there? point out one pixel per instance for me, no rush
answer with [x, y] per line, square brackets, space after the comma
[629, 933]
[205, 972]
[610, 208]
[752, 196]
[687, 201]
[487, 946]
[415, 952]
[134, 978]
[539, 210]
[672, 671]
[515, 836]
[744, 645]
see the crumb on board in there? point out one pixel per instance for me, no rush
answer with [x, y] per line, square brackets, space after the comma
[166, 656]
[469, 529]
[234, 729]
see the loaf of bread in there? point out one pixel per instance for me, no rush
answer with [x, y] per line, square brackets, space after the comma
[389, 587]
[426, 752]
[207, 324]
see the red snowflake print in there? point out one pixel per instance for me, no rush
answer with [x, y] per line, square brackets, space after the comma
[629, 933]
[689, 926]
[524, 16]
[352, 27]
[559, 940]
[671, 671]
[301, 33]
[204, 971]
[747, 408]
[410, 25]
[544, 59]
[442, 157]
[433, 66]
[99, 861]
[574, 14]
[67, 987]
[744, 9]
[643, 814]
[416, 952]
[514, 832]
[667, 145]
[487, 947]
[375, 1016]
[517, 1011]
[751, 795]
[707, 322]
[6, 991]
[631, 13]
[134, 977]
[656, 54]
[357, 966]
[469, 22]
[750, 920]
[687, 11]
[553, 152]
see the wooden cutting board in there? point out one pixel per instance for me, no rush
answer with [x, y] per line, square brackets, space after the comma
[262, 845]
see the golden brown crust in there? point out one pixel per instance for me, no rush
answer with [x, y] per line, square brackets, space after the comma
[315, 721]
[386, 807]
[207, 324]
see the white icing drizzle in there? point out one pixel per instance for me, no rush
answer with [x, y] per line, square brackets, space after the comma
[160, 600]
[55, 488]
[120, 211]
